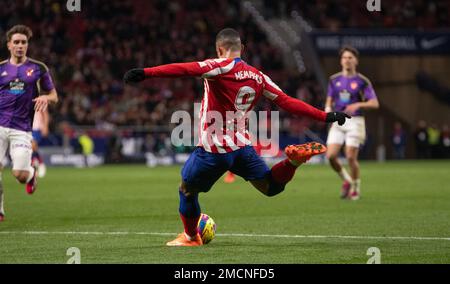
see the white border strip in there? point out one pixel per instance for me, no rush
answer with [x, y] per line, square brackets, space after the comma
[229, 235]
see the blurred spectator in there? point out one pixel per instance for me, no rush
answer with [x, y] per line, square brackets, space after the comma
[445, 142]
[87, 147]
[399, 141]
[433, 141]
[113, 150]
[421, 139]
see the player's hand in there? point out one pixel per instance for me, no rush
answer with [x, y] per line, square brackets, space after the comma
[352, 108]
[134, 75]
[41, 103]
[340, 117]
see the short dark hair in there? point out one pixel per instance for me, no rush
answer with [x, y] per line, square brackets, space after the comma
[348, 48]
[19, 29]
[229, 38]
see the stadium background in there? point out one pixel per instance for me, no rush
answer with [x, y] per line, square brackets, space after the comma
[294, 42]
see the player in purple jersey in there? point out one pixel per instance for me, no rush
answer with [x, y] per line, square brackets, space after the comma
[352, 93]
[25, 87]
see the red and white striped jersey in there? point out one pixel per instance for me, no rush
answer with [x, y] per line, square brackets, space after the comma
[231, 89]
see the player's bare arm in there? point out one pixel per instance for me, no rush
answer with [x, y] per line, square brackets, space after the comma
[42, 102]
[370, 104]
[45, 122]
[329, 104]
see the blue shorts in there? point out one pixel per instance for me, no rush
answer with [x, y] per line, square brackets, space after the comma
[203, 169]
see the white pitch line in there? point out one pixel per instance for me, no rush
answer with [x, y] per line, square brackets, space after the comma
[337, 237]
[230, 235]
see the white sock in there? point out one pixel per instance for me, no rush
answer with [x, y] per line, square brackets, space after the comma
[31, 174]
[345, 176]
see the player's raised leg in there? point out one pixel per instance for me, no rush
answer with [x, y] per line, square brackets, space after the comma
[275, 179]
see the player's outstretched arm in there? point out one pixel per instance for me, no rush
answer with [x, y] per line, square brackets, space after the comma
[298, 107]
[165, 71]
[206, 69]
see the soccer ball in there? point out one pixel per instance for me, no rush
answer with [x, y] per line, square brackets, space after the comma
[206, 228]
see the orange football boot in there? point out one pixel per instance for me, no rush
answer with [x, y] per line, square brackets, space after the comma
[182, 241]
[302, 153]
[229, 177]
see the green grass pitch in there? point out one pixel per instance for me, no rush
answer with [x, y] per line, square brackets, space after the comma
[125, 214]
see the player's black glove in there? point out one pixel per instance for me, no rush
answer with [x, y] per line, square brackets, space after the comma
[337, 116]
[134, 75]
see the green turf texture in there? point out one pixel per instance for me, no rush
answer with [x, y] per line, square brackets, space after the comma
[400, 199]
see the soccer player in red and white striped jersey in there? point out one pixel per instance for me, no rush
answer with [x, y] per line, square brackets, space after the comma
[231, 87]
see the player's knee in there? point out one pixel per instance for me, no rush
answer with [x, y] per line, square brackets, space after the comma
[183, 189]
[21, 176]
[22, 179]
[188, 190]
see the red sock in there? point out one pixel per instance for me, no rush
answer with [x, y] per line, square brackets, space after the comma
[283, 171]
[190, 225]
